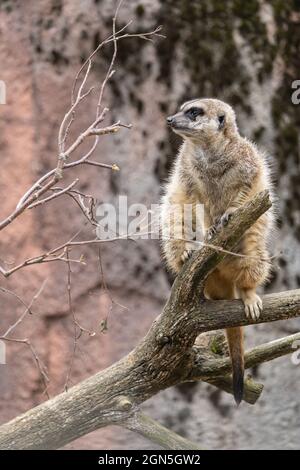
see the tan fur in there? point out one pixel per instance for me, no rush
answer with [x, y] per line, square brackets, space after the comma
[220, 169]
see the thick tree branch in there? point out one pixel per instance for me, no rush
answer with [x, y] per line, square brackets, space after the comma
[252, 389]
[164, 357]
[155, 432]
[208, 365]
[212, 368]
[219, 314]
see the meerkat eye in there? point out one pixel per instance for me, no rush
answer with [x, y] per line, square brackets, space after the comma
[193, 113]
[221, 119]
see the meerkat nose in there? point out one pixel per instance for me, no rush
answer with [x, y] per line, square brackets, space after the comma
[170, 119]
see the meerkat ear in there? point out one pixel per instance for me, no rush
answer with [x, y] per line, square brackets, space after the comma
[221, 119]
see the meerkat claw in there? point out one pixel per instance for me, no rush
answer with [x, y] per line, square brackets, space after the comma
[254, 312]
[253, 307]
[211, 232]
[247, 311]
[186, 255]
[260, 304]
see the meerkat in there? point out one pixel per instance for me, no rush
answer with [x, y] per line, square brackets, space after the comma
[219, 170]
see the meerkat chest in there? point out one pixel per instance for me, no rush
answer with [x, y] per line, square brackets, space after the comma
[214, 194]
[217, 200]
[211, 181]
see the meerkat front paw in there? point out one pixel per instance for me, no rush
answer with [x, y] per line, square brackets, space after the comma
[224, 219]
[186, 255]
[253, 305]
[219, 223]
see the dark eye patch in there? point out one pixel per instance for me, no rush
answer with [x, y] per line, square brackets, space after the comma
[194, 112]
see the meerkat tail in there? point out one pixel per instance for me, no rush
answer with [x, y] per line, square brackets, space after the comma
[235, 339]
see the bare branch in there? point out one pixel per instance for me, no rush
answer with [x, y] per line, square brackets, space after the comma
[14, 294]
[155, 432]
[53, 196]
[252, 389]
[211, 366]
[5, 337]
[26, 311]
[78, 329]
[39, 364]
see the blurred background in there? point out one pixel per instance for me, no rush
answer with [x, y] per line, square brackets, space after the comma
[246, 53]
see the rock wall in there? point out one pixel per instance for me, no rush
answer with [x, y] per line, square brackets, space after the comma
[246, 53]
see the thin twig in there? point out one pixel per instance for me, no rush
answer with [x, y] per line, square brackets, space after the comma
[76, 324]
[26, 311]
[53, 196]
[40, 366]
[14, 294]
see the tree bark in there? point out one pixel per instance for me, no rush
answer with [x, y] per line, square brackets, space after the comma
[155, 432]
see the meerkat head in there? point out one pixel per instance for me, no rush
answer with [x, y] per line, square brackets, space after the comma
[203, 119]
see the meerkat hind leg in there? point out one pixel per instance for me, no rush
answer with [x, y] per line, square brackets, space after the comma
[218, 288]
